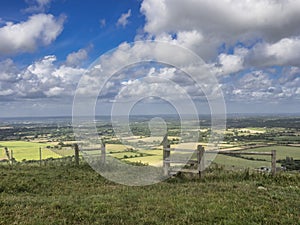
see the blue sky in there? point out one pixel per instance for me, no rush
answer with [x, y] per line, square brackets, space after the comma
[82, 25]
[47, 45]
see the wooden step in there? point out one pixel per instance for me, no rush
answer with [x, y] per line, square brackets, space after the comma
[175, 171]
[181, 161]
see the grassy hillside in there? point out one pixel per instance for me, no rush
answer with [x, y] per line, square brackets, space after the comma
[77, 195]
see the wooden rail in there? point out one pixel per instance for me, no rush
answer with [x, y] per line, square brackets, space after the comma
[200, 161]
[272, 154]
[102, 154]
[167, 161]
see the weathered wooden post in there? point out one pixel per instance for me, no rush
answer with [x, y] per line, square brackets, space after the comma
[7, 153]
[11, 157]
[200, 160]
[40, 152]
[273, 162]
[166, 155]
[76, 149]
[103, 154]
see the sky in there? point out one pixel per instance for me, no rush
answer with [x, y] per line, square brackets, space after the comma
[47, 47]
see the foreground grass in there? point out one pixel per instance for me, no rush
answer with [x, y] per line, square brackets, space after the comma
[78, 195]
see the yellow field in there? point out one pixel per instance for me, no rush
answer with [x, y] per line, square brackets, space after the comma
[150, 160]
[116, 147]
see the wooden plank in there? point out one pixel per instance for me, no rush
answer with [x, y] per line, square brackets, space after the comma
[11, 157]
[165, 141]
[238, 153]
[180, 150]
[167, 164]
[76, 154]
[91, 149]
[175, 171]
[200, 160]
[103, 154]
[40, 153]
[7, 153]
[181, 161]
[92, 155]
[172, 173]
[166, 155]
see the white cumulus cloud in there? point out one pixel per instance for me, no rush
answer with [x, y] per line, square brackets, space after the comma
[55, 91]
[285, 52]
[26, 36]
[221, 22]
[76, 59]
[227, 18]
[42, 79]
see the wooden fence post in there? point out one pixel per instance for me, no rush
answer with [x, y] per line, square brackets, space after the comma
[166, 155]
[200, 160]
[273, 162]
[7, 154]
[11, 157]
[103, 154]
[76, 149]
[40, 152]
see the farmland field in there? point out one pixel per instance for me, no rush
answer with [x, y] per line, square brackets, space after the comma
[231, 162]
[28, 150]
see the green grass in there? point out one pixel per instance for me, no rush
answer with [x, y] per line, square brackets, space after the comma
[239, 163]
[287, 138]
[281, 151]
[124, 155]
[77, 195]
[28, 150]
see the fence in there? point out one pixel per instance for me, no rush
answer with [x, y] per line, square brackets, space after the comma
[272, 154]
[167, 159]
[9, 155]
[40, 155]
[85, 151]
[200, 160]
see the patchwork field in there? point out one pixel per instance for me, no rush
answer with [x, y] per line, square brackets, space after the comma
[28, 150]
